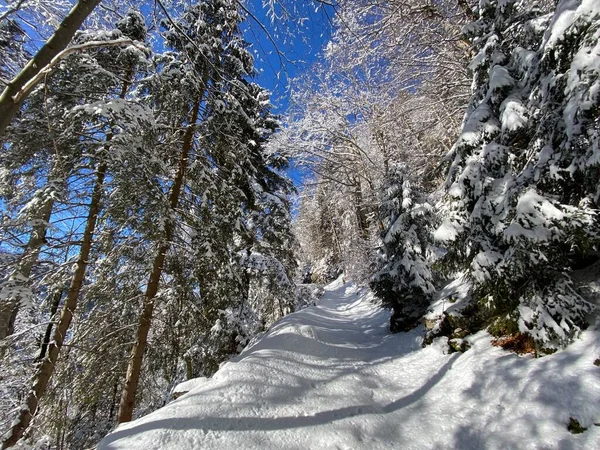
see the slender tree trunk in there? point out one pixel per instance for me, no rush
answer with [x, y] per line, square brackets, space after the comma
[53, 309]
[189, 373]
[8, 314]
[359, 210]
[137, 352]
[9, 306]
[46, 367]
[58, 42]
[48, 363]
[113, 402]
[336, 240]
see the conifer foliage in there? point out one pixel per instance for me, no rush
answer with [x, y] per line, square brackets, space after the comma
[523, 183]
[518, 211]
[404, 280]
[146, 226]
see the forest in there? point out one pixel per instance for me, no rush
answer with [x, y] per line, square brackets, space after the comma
[158, 214]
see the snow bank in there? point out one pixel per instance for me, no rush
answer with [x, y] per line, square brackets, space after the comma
[332, 377]
[188, 385]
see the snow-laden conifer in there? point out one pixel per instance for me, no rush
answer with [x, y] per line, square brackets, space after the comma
[404, 280]
[523, 183]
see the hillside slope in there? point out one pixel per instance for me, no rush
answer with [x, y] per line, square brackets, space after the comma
[332, 377]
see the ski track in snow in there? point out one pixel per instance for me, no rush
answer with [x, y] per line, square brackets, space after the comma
[332, 377]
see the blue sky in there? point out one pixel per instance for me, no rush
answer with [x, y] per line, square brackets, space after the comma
[299, 40]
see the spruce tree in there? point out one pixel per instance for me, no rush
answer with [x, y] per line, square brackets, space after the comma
[23, 83]
[109, 131]
[217, 161]
[523, 183]
[404, 281]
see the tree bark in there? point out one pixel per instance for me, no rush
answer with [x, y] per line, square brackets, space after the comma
[57, 42]
[137, 352]
[46, 367]
[56, 296]
[359, 210]
[9, 306]
[48, 363]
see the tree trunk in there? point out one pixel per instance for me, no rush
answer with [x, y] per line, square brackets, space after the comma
[46, 367]
[113, 402]
[137, 352]
[9, 306]
[53, 309]
[8, 314]
[57, 43]
[359, 210]
[189, 373]
[48, 363]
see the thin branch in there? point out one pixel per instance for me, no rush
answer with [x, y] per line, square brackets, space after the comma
[19, 96]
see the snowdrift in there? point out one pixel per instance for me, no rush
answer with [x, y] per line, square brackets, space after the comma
[332, 377]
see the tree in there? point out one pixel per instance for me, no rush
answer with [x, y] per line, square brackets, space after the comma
[102, 117]
[404, 281]
[522, 186]
[371, 105]
[21, 85]
[12, 47]
[221, 169]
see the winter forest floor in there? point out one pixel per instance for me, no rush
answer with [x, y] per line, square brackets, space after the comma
[333, 377]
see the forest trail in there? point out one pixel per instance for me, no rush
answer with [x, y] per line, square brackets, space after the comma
[333, 377]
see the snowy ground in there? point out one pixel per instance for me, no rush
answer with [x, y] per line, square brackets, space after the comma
[332, 377]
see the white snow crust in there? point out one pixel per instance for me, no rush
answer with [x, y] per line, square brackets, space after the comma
[333, 377]
[186, 386]
[451, 299]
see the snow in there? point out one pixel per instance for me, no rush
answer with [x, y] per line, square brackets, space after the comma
[480, 122]
[447, 231]
[186, 386]
[565, 15]
[539, 216]
[333, 377]
[451, 299]
[513, 114]
[481, 57]
[139, 115]
[484, 263]
[583, 84]
[500, 78]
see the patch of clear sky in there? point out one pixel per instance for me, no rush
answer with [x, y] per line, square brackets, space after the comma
[288, 45]
[285, 47]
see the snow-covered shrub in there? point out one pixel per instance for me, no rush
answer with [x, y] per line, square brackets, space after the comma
[232, 331]
[270, 291]
[523, 191]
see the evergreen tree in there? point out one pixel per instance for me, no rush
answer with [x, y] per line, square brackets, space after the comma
[523, 183]
[12, 48]
[23, 83]
[220, 171]
[109, 132]
[404, 281]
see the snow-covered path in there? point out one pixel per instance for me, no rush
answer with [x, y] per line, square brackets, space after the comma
[332, 377]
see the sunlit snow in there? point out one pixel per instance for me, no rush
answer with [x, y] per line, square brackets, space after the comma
[333, 377]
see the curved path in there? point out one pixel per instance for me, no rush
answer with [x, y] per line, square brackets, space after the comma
[332, 377]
